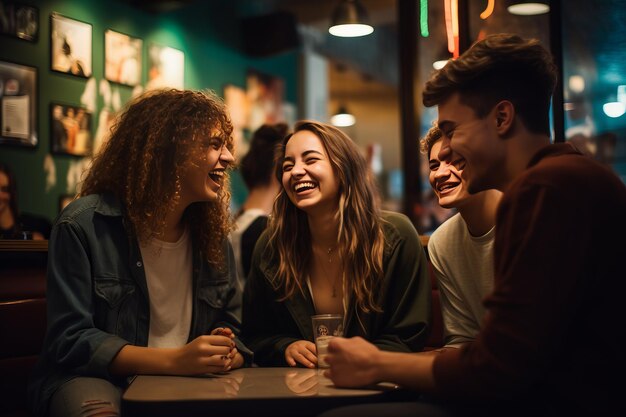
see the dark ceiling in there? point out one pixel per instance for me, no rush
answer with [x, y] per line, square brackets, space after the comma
[594, 33]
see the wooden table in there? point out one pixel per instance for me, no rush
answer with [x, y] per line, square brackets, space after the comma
[248, 392]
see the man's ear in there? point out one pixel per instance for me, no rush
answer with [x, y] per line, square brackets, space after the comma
[504, 115]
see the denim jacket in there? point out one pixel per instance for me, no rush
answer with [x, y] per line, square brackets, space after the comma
[98, 302]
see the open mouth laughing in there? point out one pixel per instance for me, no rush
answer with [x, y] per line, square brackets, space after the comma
[217, 176]
[446, 187]
[303, 186]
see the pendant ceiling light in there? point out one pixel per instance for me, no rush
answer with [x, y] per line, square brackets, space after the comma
[526, 8]
[343, 118]
[350, 20]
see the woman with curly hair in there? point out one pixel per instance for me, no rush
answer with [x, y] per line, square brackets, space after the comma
[141, 277]
[330, 249]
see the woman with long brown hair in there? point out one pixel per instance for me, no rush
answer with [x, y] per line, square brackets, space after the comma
[141, 277]
[330, 249]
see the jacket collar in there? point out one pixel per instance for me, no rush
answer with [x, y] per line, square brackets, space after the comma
[551, 150]
[300, 305]
[109, 205]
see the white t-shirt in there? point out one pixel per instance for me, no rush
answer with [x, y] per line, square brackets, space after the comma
[463, 265]
[168, 268]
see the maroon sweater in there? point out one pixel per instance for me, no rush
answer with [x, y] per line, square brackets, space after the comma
[554, 330]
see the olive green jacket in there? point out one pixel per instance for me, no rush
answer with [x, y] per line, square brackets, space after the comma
[270, 326]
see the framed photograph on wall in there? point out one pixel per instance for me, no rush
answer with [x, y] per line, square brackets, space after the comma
[70, 130]
[122, 58]
[19, 21]
[18, 102]
[266, 94]
[237, 105]
[70, 44]
[166, 67]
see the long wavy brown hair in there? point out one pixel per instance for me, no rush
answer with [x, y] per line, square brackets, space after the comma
[360, 239]
[150, 144]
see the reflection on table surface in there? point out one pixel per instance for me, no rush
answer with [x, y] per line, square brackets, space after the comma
[246, 383]
[248, 391]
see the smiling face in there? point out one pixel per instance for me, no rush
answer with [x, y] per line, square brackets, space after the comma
[307, 174]
[445, 177]
[474, 139]
[203, 177]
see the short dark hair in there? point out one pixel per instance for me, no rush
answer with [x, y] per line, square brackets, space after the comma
[499, 67]
[257, 166]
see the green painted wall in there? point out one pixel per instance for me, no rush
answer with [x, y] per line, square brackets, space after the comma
[208, 34]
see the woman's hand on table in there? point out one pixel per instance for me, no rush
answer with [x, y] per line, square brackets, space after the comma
[205, 354]
[235, 356]
[302, 352]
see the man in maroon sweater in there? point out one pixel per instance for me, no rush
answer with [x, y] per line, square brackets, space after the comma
[553, 340]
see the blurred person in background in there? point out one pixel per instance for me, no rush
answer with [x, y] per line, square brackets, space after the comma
[13, 224]
[257, 170]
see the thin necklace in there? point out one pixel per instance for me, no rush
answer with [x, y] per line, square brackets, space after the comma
[330, 260]
[329, 253]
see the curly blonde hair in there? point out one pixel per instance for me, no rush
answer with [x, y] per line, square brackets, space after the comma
[360, 239]
[149, 145]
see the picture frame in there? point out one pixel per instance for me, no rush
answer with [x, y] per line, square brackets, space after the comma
[122, 58]
[166, 67]
[70, 46]
[18, 104]
[237, 105]
[19, 21]
[266, 94]
[70, 130]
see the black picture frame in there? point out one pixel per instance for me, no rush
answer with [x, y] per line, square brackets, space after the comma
[71, 48]
[18, 104]
[123, 54]
[70, 130]
[19, 20]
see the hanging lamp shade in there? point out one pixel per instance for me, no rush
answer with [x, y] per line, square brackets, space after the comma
[343, 118]
[527, 8]
[350, 20]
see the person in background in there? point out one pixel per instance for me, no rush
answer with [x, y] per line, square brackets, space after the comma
[550, 343]
[13, 224]
[141, 277]
[460, 249]
[59, 134]
[257, 170]
[329, 248]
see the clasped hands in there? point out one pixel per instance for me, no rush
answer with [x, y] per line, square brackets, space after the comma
[212, 353]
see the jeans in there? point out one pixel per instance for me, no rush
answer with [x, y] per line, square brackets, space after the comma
[85, 397]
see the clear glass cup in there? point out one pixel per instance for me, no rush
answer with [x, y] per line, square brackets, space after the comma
[325, 327]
